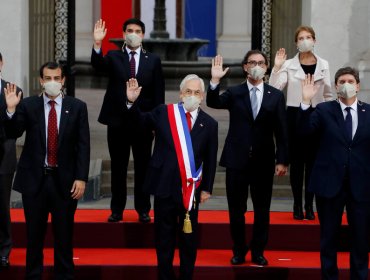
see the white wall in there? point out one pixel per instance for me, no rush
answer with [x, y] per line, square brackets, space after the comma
[147, 16]
[14, 42]
[84, 28]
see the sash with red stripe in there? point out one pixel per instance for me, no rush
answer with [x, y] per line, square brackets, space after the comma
[190, 177]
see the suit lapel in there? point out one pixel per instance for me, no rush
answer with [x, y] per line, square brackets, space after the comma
[144, 59]
[361, 114]
[199, 125]
[338, 116]
[247, 100]
[42, 121]
[126, 63]
[64, 116]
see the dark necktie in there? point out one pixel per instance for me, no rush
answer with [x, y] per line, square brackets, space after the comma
[348, 122]
[254, 102]
[132, 65]
[188, 120]
[52, 135]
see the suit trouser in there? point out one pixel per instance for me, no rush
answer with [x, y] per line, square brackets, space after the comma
[169, 220]
[260, 184]
[301, 159]
[37, 209]
[120, 140]
[5, 225]
[330, 211]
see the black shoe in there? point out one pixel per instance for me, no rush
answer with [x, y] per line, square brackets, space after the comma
[144, 218]
[297, 213]
[235, 260]
[4, 262]
[114, 218]
[259, 259]
[309, 213]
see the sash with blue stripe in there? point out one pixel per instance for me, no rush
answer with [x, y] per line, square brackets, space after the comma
[190, 177]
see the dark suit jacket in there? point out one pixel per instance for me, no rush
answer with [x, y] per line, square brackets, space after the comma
[336, 153]
[247, 135]
[73, 144]
[116, 63]
[163, 176]
[9, 161]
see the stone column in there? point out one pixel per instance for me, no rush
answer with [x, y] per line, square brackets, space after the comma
[235, 30]
[159, 21]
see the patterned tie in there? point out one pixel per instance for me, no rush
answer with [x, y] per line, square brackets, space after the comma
[348, 122]
[188, 120]
[254, 102]
[132, 65]
[52, 135]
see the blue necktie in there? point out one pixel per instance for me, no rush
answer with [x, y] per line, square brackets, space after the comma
[254, 102]
[348, 123]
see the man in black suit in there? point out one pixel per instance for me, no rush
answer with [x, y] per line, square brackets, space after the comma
[53, 168]
[7, 169]
[341, 172]
[123, 131]
[174, 200]
[257, 120]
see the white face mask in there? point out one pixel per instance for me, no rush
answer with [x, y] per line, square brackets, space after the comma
[347, 90]
[53, 88]
[133, 40]
[305, 45]
[257, 72]
[191, 102]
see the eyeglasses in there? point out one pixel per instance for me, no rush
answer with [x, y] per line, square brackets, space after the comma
[189, 92]
[254, 63]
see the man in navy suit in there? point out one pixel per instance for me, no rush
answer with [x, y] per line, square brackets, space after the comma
[257, 122]
[341, 172]
[8, 163]
[124, 132]
[164, 177]
[53, 168]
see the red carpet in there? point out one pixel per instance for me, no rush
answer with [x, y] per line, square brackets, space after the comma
[125, 250]
[205, 216]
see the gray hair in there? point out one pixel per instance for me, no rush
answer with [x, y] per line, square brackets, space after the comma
[191, 77]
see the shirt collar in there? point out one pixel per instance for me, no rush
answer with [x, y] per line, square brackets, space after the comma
[137, 51]
[344, 106]
[57, 100]
[193, 113]
[259, 86]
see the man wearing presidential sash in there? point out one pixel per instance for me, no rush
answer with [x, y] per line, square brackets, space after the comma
[181, 172]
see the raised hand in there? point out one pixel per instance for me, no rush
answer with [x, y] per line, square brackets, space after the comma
[12, 99]
[99, 33]
[309, 89]
[132, 90]
[217, 70]
[280, 58]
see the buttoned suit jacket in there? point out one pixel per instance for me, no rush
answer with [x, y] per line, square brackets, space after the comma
[73, 144]
[337, 154]
[248, 137]
[163, 176]
[116, 64]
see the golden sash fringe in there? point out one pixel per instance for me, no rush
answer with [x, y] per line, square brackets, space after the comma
[187, 224]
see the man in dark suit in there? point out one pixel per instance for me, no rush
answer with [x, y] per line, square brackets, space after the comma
[341, 174]
[123, 131]
[7, 169]
[257, 120]
[53, 168]
[177, 192]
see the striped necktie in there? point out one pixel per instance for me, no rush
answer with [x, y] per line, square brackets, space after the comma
[132, 65]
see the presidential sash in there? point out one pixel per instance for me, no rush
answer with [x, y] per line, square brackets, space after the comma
[190, 177]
